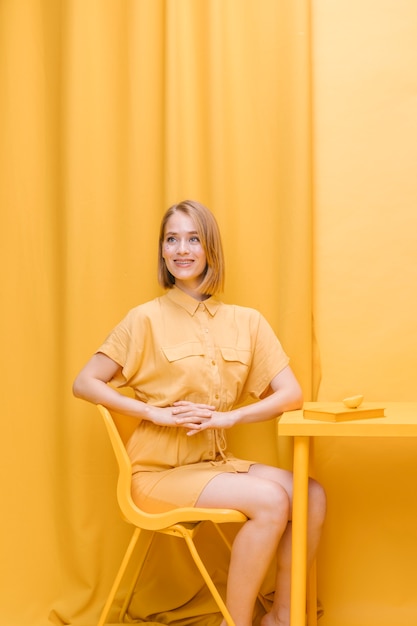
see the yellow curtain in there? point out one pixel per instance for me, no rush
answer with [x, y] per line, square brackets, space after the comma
[109, 112]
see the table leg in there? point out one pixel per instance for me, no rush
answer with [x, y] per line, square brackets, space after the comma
[299, 532]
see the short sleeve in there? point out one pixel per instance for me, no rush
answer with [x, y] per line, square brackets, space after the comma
[268, 359]
[125, 346]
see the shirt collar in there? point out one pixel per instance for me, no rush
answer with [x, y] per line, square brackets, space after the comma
[189, 303]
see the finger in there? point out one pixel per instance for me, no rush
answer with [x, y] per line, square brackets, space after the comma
[182, 403]
[192, 420]
[196, 405]
[190, 433]
[194, 412]
[193, 428]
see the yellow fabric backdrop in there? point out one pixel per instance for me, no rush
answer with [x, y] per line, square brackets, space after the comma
[109, 112]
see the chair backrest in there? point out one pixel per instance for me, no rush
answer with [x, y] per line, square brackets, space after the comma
[125, 425]
[120, 428]
[119, 431]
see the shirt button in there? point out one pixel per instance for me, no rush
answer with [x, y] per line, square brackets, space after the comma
[217, 396]
[213, 362]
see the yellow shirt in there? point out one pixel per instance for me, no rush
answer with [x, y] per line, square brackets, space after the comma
[177, 348]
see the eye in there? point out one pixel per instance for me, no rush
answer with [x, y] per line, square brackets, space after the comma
[195, 239]
[170, 239]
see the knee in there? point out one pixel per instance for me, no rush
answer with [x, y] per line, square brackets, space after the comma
[274, 506]
[317, 502]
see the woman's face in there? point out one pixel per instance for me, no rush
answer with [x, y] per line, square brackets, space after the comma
[183, 253]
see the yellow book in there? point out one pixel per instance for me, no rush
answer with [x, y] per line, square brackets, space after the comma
[337, 412]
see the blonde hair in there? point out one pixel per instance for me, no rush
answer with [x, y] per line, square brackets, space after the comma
[209, 233]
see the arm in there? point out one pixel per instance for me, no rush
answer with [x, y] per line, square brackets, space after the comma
[91, 385]
[284, 394]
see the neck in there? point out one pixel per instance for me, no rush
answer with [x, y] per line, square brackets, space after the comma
[193, 292]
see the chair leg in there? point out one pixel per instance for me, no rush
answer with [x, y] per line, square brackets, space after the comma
[210, 584]
[141, 562]
[223, 536]
[116, 584]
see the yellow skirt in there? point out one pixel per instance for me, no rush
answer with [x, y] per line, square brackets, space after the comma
[170, 469]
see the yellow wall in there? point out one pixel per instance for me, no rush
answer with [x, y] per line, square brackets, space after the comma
[365, 158]
[110, 112]
[365, 297]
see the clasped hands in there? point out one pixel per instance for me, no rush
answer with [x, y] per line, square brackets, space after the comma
[196, 417]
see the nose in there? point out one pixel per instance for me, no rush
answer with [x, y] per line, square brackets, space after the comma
[183, 246]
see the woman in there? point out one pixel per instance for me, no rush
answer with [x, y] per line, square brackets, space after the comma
[194, 363]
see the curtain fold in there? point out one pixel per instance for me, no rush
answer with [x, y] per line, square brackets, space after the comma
[110, 112]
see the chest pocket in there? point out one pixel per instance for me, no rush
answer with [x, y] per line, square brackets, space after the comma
[235, 371]
[182, 351]
[185, 369]
[236, 355]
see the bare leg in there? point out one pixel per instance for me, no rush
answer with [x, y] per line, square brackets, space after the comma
[280, 611]
[264, 494]
[266, 502]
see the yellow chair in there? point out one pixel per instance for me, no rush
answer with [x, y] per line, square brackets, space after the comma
[181, 522]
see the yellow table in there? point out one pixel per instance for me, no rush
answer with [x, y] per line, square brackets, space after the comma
[400, 421]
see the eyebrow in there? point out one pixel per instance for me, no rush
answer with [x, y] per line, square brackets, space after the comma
[173, 232]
